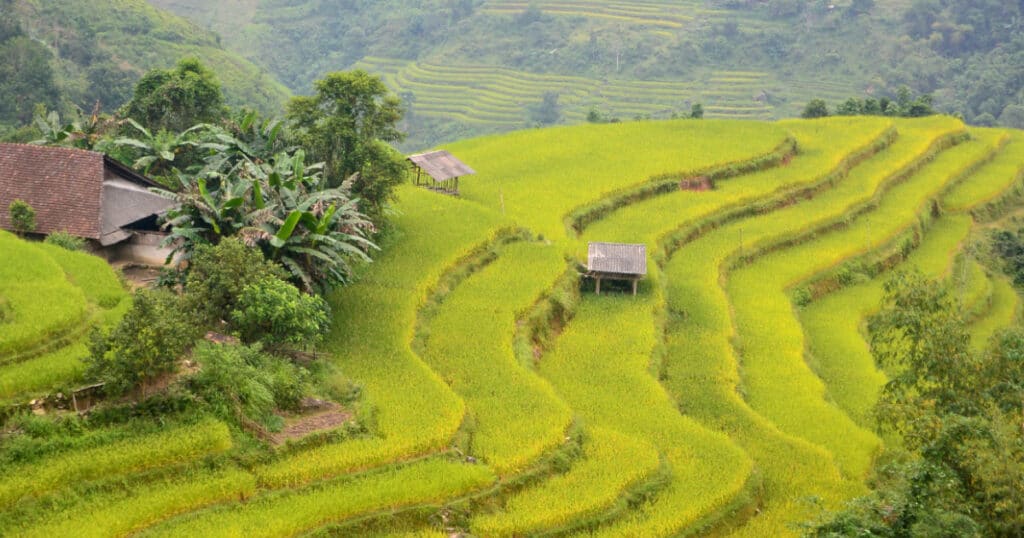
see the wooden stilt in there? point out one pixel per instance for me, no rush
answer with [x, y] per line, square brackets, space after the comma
[599, 285]
[634, 286]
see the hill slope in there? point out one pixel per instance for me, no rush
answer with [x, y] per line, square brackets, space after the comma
[96, 50]
[470, 66]
[500, 387]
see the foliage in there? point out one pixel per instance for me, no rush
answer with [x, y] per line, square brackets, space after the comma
[816, 108]
[281, 206]
[959, 414]
[176, 99]
[346, 125]
[1009, 246]
[26, 76]
[218, 274]
[244, 381]
[147, 343]
[276, 314]
[66, 241]
[22, 215]
[547, 111]
[157, 154]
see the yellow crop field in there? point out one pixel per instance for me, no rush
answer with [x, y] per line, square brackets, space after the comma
[500, 396]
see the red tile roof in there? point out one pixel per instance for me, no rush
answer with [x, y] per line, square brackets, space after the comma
[63, 185]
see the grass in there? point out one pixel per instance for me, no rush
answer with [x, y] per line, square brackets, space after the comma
[414, 411]
[776, 379]
[833, 324]
[564, 172]
[611, 463]
[122, 458]
[41, 303]
[290, 513]
[701, 367]
[61, 367]
[1005, 170]
[516, 416]
[1003, 311]
[140, 508]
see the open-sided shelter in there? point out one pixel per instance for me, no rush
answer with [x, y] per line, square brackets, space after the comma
[442, 169]
[84, 193]
[616, 261]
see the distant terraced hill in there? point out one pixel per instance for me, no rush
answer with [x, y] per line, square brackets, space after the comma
[729, 395]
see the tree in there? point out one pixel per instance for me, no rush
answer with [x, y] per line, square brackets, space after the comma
[547, 111]
[958, 412]
[347, 125]
[815, 108]
[26, 79]
[176, 99]
[282, 207]
[217, 274]
[274, 313]
[147, 343]
[157, 153]
[23, 216]
[697, 111]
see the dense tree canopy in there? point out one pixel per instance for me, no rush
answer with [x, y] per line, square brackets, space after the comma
[347, 125]
[176, 99]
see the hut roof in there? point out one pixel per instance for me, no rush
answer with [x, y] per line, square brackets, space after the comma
[441, 165]
[82, 192]
[617, 258]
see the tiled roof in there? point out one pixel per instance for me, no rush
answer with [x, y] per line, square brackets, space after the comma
[441, 165]
[63, 185]
[617, 258]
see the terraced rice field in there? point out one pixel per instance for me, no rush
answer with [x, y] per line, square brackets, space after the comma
[732, 394]
[499, 99]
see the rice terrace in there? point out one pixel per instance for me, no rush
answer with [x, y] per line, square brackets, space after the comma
[501, 397]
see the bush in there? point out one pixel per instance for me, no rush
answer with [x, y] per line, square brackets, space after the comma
[816, 108]
[23, 216]
[242, 379]
[145, 345]
[218, 274]
[66, 240]
[275, 313]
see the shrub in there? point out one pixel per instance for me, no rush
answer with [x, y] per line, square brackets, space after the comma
[23, 216]
[66, 240]
[145, 345]
[218, 274]
[275, 313]
[242, 379]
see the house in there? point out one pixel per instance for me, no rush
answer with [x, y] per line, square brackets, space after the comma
[86, 194]
[443, 169]
[616, 261]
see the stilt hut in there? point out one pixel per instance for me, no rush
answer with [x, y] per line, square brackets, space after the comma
[616, 261]
[442, 171]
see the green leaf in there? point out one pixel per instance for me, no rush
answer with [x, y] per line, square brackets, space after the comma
[286, 229]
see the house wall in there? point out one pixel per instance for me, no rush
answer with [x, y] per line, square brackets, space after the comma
[142, 248]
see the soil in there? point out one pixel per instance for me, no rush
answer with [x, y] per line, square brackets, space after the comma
[322, 416]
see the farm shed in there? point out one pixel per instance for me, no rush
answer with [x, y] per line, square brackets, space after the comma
[442, 168]
[616, 261]
[84, 193]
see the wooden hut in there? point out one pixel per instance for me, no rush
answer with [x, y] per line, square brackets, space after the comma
[442, 169]
[616, 261]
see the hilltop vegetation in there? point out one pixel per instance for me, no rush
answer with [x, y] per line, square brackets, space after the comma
[68, 55]
[466, 67]
[733, 393]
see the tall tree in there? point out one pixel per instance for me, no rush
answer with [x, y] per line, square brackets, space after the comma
[176, 99]
[348, 125]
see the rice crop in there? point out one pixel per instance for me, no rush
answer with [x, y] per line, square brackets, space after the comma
[611, 462]
[415, 411]
[776, 378]
[144, 506]
[1004, 171]
[564, 172]
[91, 274]
[516, 415]
[1003, 311]
[294, 512]
[174, 446]
[62, 367]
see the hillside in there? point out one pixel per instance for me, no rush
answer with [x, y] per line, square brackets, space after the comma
[75, 53]
[502, 397]
[466, 67]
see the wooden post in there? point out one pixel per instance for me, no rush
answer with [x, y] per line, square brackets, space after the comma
[418, 172]
[599, 285]
[634, 286]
